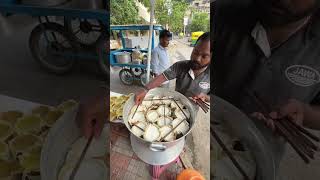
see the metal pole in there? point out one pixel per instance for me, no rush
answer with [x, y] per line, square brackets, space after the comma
[150, 40]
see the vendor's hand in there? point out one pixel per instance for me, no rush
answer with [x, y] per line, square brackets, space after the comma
[140, 96]
[92, 115]
[268, 121]
[202, 96]
[293, 109]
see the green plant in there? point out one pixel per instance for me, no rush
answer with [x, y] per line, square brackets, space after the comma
[123, 12]
[200, 22]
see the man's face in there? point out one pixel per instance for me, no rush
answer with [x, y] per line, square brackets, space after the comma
[279, 12]
[165, 41]
[201, 56]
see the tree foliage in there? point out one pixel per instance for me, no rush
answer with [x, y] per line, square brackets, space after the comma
[173, 19]
[146, 3]
[123, 12]
[179, 10]
[200, 22]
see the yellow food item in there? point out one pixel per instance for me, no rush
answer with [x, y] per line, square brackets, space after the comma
[9, 168]
[24, 144]
[4, 151]
[11, 116]
[67, 105]
[5, 130]
[116, 106]
[28, 124]
[41, 111]
[31, 161]
[52, 116]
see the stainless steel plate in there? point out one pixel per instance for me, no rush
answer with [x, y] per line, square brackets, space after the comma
[156, 158]
[162, 92]
[57, 144]
[244, 128]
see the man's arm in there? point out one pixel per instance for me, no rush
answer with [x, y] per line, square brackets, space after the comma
[156, 82]
[169, 74]
[301, 113]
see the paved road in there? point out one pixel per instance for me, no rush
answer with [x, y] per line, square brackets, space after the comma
[22, 78]
[178, 51]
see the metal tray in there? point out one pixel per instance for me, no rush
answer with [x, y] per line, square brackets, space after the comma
[246, 131]
[57, 144]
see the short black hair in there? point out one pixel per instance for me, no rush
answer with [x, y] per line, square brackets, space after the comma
[205, 37]
[165, 33]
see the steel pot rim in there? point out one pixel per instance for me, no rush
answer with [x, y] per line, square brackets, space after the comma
[166, 92]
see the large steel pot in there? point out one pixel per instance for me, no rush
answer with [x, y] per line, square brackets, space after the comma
[161, 146]
[244, 129]
[123, 57]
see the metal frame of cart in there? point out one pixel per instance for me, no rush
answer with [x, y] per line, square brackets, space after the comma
[131, 72]
[67, 54]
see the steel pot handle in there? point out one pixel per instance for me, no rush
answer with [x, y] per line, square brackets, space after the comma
[157, 147]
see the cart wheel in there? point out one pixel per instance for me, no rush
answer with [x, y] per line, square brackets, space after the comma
[51, 47]
[103, 58]
[88, 32]
[137, 71]
[126, 76]
[143, 78]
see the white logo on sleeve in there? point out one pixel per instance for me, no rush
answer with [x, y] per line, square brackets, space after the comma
[204, 85]
[302, 75]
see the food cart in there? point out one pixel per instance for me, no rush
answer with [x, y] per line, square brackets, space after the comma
[60, 38]
[133, 68]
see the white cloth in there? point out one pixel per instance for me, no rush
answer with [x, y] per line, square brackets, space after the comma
[192, 75]
[259, 34]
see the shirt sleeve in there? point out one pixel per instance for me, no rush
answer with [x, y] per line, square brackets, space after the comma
[172, 71]
[155, 62]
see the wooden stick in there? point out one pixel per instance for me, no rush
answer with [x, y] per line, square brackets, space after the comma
[134, 113]
[207, 104]
[299, 141]
[225, 149]
[304, 131]
[305, 139]
[178, 124]
[172, 130]
[203, 109]
[203, 104]
[284, 133]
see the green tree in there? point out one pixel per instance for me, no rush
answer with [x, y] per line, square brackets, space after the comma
[179, 8]
[123, 12]
[146, 3]
[175, 19]
[161, 12]
[200, 22]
